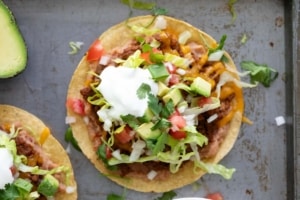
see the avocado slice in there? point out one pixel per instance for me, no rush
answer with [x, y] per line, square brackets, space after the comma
[13, 51]
[48, 186]
[144, 130]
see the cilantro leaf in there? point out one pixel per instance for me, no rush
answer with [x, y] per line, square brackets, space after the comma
[162, 124]
[131, 120]
[114, 197]
[140, 5]
[260, 73]
[154, 104]
[220, 45]
[10, 192]
[160, 144]
[101, 153]
[167, 196]
[143, 90]
[168, 109]
[159, 11]
[70, 138]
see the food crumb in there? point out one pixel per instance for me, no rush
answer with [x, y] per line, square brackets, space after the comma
[280, 120]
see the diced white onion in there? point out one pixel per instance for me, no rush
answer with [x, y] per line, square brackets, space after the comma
[68, 149]
[190, 119]
[160, 23]
[70, 120]
[117, 154]
[212, 118]
[151, 175]
[137, 150]
[104, 60]
[216, 56]
[131, 133]
[184, 36]
[180, 71]
[70, 189]
[280, 120]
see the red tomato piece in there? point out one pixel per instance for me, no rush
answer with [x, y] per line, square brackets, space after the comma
[204, 100]
[125, 135]
[174, 79]
[178, 134]
[95, 51]
[170, 67]
[215, 196]
[108, 152]
[76, 105]
[177, 120]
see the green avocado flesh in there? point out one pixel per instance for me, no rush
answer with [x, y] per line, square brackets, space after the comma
[13, 51]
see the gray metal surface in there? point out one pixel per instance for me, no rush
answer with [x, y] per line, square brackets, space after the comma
[260, 154]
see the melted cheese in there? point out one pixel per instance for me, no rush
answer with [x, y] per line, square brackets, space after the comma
[119, 86]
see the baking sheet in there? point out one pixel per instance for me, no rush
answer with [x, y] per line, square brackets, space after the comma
[264, 155]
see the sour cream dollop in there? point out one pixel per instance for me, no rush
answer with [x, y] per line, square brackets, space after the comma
[6, 160]
[119, 86]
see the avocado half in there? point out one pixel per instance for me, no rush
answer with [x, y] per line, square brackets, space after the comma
[13, 51]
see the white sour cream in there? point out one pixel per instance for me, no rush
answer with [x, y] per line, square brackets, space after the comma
[119, 87]
[6, 160]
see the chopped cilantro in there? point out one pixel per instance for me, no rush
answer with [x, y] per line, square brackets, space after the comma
[168, 109]
[160, 144]
[101, 153]
[115, 197]
[140, 5]
[167, 196]
[154, 104]
[143, 90]
[159, 11]
[161, 124]
[260, 73]
[220, 45]
[131, 120]
[70, 138]
[10, 192]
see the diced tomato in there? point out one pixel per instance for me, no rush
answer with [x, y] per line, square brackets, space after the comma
[174, 79]
[177, 120]
[108, 152]
[95, 51]
[170, 67]
[178, 134]
[204, 100]
[215, 196]
[125, 135]
[76, 105]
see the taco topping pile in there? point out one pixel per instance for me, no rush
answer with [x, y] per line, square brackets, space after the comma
[26, 170]
[158, 101]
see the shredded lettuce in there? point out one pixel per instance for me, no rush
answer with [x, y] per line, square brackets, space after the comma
[133, 60]
[144, 31]
[260, 73]
[177, 60]
[206, 107]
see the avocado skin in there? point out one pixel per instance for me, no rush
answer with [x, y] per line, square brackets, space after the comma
[12, 68]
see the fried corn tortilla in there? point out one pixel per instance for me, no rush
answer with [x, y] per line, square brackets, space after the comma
[91, 131]
[42, 149]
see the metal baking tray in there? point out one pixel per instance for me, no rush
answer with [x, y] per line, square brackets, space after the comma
[266, 156]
